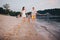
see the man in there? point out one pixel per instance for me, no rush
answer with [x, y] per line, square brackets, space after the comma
[34, 12]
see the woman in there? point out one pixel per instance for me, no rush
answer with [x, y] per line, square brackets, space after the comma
[23, 14]
[34, 12]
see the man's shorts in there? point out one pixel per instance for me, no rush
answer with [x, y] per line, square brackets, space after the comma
[33, 16]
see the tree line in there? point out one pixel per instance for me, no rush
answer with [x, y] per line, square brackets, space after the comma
[54, 12]
[7, 11]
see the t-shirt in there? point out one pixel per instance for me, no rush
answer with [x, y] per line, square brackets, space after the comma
[34, 12]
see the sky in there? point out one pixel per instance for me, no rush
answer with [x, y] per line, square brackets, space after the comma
[16, 5]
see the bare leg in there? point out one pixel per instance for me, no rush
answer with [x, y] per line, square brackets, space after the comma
[24, 19]
[28, 20]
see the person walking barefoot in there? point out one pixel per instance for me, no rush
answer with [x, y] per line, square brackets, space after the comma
[34, 12]
[23, 14]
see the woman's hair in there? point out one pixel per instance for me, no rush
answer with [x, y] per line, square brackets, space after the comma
[23, 8]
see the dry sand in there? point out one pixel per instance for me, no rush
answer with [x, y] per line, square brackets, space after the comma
[12, 28]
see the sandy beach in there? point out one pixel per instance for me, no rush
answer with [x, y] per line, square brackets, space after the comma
[12, 28]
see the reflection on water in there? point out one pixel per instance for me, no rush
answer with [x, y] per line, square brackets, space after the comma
[51, 26]
[49, 18]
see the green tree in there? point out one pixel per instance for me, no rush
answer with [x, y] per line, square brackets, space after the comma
[2, 11]
[6, 6]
